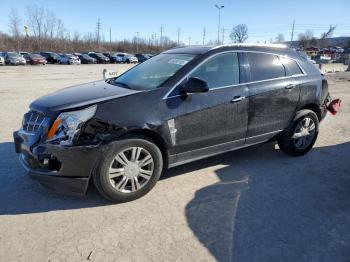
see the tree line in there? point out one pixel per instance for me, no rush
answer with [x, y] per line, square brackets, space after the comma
[41, 30]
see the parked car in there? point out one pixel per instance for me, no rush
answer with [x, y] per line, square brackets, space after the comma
[2, 59]
[100, 58]
[14, 58]
[69, 59]
[182, 105]
[142, 57]
[33, 59]
[113, 58]
[127, 58]
[86, 59]
[51, 58]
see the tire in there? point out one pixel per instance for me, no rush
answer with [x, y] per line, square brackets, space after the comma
[300, 136]
[108, 187]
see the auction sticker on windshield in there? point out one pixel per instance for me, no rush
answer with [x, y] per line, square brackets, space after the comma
[177, 61]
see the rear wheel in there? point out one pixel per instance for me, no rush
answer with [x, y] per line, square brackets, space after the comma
[129, 170]
[301, 135]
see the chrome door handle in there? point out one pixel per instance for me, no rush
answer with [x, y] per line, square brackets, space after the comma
[290, 86]
[237, 99]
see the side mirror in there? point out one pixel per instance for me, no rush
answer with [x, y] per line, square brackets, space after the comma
[195, 85]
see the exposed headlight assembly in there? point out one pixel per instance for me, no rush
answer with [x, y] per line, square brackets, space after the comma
[66, 128]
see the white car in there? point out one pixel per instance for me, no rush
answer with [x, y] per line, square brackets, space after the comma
[69, 59]
[2, 60]
[128, 58]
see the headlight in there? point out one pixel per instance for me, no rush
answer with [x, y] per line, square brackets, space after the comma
[67, 126]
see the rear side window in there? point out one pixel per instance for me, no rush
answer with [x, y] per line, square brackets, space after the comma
[292, 66]
[265, 66]
[221, 70]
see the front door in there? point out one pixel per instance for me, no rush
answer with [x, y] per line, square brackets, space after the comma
[214, 121]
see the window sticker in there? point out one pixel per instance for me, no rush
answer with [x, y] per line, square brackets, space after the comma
[177, 61]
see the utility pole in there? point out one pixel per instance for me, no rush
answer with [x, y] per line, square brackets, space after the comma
[178, 36]
[219, 7]
[223, 35]
[161, 35]
[291, 37]
[204, 32]
[110, 39]
[189, 41]
[98, 28]
[137, 41]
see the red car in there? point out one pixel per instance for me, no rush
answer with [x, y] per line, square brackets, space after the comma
[34, 59]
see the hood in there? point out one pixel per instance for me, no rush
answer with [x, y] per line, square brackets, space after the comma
[79, 96]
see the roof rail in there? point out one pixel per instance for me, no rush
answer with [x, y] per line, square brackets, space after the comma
[252, 45]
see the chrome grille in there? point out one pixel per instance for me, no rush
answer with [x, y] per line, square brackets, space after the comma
[32, 121]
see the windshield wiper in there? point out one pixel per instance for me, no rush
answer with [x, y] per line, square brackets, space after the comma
[121, 84]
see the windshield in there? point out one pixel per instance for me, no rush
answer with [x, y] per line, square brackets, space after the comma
[13, 54]
[35, 56]
[153, 72]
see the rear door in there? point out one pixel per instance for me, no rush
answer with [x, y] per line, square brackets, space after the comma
[273, 96]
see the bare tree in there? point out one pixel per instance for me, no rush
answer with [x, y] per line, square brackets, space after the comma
[307, 39]
[280, 38]
[329, 33]
[239, 33]
[14, 24]
[35, 16]
[49, 24]
[323, 42]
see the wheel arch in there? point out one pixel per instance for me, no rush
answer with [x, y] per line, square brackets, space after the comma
[152, 136]
[315, 108]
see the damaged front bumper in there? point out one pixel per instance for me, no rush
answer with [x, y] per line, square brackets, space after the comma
[64, 169]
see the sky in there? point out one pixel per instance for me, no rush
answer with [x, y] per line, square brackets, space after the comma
[264, 19]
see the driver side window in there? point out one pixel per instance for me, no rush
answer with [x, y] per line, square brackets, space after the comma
[219, 71]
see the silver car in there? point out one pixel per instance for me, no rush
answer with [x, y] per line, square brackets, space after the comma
[13, 58]
[128, 58]
[69, 59]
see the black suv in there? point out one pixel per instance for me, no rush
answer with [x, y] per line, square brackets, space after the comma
[179, 106]
[51, 58]
[100, 58]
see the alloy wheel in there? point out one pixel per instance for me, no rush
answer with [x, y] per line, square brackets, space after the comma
[304, 133]
[131, 169]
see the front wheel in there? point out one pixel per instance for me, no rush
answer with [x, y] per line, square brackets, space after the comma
[300, 136]
[129, 170]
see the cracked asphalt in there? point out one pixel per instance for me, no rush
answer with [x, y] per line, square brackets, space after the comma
[255, 204]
